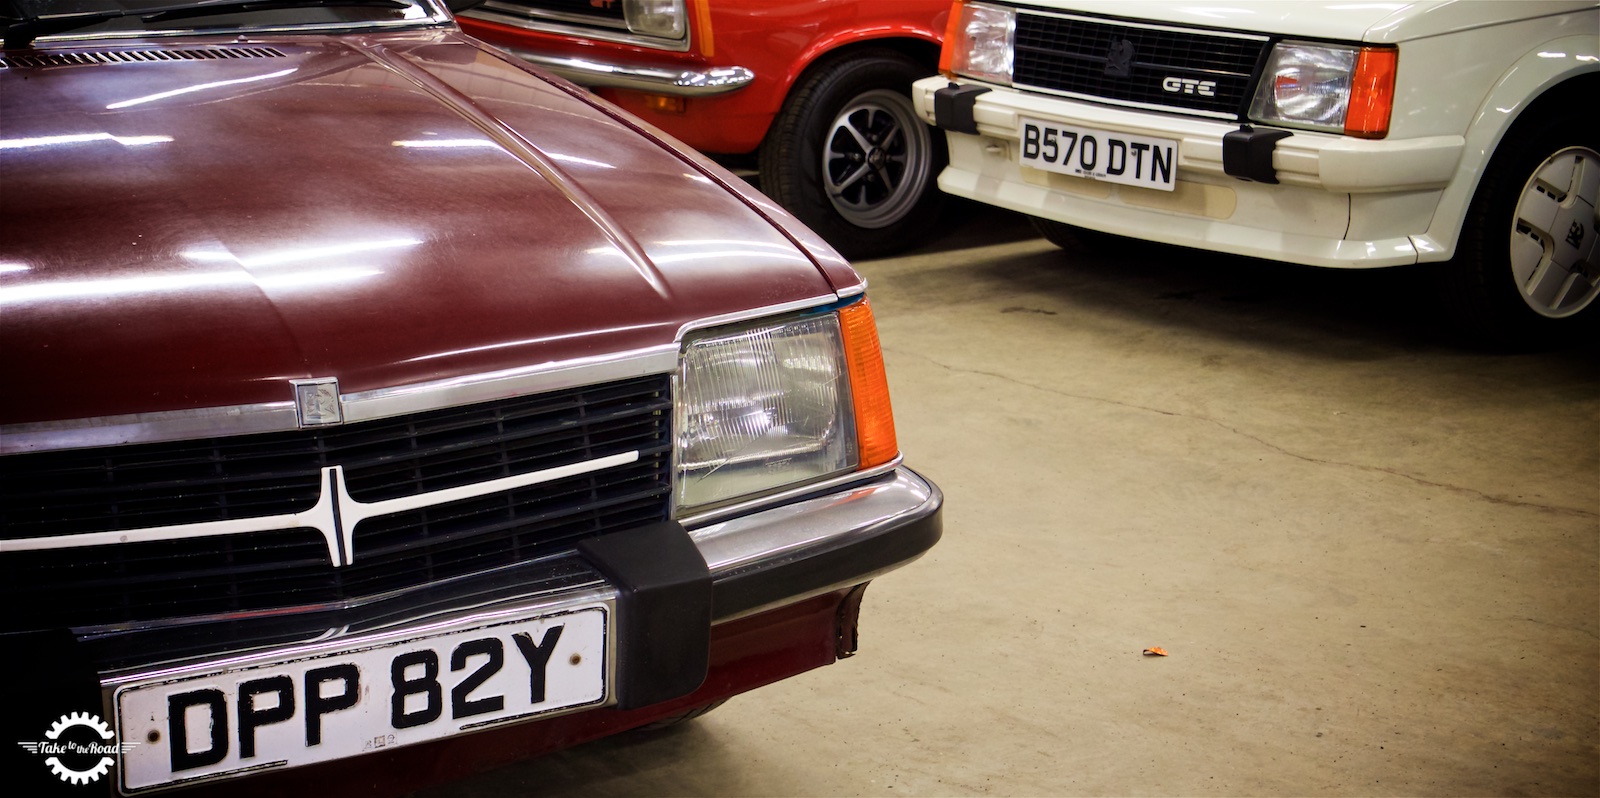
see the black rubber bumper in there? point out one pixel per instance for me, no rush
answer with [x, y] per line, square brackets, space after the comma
[953, 107]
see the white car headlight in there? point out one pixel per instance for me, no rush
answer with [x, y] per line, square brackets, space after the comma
[664, 18]
[769, 407]
[1333, 88]
[981, 43]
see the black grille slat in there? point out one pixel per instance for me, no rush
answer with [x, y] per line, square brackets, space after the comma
[1073, 55]
[132, 487]
[465, 541]
[555, 448]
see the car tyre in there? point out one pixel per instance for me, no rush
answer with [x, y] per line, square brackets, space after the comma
[850, 158]
[1525, 273]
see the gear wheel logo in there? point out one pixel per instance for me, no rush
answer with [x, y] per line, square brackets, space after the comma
[80, 748]
[79, 776]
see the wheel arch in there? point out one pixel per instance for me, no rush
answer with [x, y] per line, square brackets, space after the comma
[1535, 83]
[921, 47]
[790, 160]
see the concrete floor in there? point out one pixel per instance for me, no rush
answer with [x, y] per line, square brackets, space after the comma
[1373, 557]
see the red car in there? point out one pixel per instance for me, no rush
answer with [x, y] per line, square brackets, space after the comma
[377, 409]
[819, 92]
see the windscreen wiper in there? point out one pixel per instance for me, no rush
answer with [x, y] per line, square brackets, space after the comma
[21, 31]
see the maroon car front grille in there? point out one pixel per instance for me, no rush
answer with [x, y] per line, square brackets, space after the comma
[137, 487]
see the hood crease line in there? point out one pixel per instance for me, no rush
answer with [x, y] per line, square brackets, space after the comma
[529, 155]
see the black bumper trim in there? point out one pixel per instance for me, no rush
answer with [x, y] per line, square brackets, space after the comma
[663, 612]
[1247, 153]
[952, 107]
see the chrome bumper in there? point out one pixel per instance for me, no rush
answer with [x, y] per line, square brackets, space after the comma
[810, 547]
[656, 80]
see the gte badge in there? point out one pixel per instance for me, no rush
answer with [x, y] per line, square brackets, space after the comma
[1175, 85]
[316, 402]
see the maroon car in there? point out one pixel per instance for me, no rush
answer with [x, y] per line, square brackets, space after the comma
[365, 388]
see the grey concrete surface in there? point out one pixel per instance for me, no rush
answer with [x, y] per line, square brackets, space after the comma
[1373, 556]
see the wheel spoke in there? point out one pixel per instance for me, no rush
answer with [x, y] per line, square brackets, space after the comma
[894, 135]
[1547, 284]
[1577, 289]
[1538, 209]
[888, 180]
[855, 176]
[849, 125]
[835, 151]
[1526, 255]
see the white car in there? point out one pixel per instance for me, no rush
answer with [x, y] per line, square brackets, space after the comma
[1332, 134]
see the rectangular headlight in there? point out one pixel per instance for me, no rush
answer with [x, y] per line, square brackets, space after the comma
[778, 405]
[980, 43]
[762, 409]
[664, 18]
[1332, 88]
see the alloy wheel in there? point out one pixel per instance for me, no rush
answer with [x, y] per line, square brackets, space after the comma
[876, 160]
[1554, 231]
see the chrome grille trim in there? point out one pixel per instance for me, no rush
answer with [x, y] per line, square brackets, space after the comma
[529, 14]
[217, 422]
[1127, 23]
[570, 13]
[335, 514]
[42, 60]
[176, 425]
[423, 396]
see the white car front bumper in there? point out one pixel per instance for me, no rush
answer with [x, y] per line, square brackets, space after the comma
[1340, 201]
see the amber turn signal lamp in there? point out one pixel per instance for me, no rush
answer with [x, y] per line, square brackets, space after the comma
[664, 103]
[702, 18]
[869, 386]
[951, 29]
[1372, 93]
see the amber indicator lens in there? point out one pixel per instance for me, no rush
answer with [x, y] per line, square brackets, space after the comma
[869, 386]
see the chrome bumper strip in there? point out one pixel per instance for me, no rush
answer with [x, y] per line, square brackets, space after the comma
[799, 536]
[656, 80]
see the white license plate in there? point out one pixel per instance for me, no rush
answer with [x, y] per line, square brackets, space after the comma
[1098, 154]
[340, 702]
